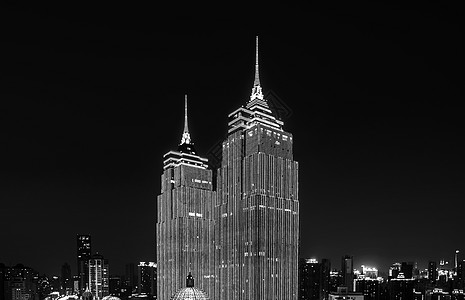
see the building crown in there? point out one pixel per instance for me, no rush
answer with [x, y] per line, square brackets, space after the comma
[257, 109]
[256, 89]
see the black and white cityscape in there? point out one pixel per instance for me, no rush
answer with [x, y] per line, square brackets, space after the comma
[305, 153]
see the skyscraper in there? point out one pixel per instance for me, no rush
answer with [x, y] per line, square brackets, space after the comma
[257, 212]
[310, 279]
[99, 276]
[66, 279]
[347, 269]
[130, 276]
[185, 232]
[325, 278]
[461, 274]
[147, 273]
[407, 269]
[83, 256]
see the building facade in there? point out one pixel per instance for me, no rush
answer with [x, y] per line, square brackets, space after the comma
[369, 287]
[185, 225]
[19, 283]
[99, 276]
[147, 274]
[347, 269]
[310, 279]
[83, 250]
[66, 279]
[257, 211]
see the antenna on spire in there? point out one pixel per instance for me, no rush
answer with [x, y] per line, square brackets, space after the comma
[256, 89]
[186, 138]
[257, 78]
[186, 129]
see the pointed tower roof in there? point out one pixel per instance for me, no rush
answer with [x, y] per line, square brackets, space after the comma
[186, 137]
[186, 153]
[186, 145]
[257, 110]
[257, 94]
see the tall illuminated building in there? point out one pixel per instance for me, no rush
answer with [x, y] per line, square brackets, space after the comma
[147, 278]
[185, 231]
[257, 212]
[99, 276]
[83, 250]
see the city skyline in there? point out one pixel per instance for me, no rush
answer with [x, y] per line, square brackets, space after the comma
[378, 134]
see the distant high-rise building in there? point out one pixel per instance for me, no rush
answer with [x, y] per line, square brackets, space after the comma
[147, 274]
[43, 287]
[325, 278]
[369, 287]
[99, 276]
[185, 225]
[401, 288]
[114, 286]
[130, 277]
[461, 274]
[20, 283]
[407, 269]
[432, 272]
[83, 250]
[335, 280]
[310, 279]
[394, 270]
[66, 279]
[257, 212]
[314, 278]
[347, 269]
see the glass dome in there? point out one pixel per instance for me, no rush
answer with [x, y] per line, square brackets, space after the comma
[87, 295]
[189, 292]
[110, 298]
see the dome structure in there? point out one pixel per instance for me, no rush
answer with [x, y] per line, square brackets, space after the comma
[87, 295]
[110, 298]
[189, 292]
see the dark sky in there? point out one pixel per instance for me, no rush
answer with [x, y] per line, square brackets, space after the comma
[92, 97]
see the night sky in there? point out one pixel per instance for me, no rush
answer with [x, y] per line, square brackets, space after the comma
[92, 96]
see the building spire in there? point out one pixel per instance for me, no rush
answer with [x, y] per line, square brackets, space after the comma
[257, 77]
[186, 138]
[257, 89]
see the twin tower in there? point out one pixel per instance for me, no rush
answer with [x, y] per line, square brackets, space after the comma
[240, 240]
